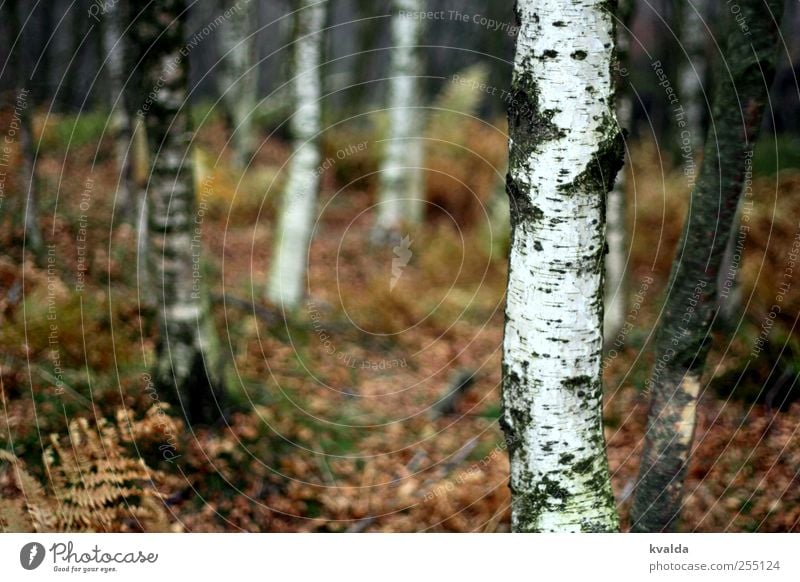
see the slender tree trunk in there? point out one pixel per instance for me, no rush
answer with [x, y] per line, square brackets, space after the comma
[616, 230]
[692, 67]
[566, 149]
[238, 78]
[77, 28]
[44, 85]
[114, 49]
[287, 279]
[137, 170]
[368, 41]
[33, 234]
[682, 341]
[189, 358]
[23, 109]
[401, 197]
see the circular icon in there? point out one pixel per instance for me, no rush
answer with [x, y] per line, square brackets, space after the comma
[31, 555]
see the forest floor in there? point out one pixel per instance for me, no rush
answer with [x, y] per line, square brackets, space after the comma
[332, 425]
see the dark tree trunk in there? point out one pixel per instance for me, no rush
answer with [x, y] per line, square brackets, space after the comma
[77, 29]
[113, 52]
[23, 107]
[683, 340]
[137, 168]
[615, 299]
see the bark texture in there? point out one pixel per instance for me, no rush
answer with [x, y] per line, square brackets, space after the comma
[238, 76]
[729, 290]
[189, 364]
[565, 150]
[682, 340]
[401, 185]
[287, 279]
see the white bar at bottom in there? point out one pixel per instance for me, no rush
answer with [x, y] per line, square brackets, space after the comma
[399, 557]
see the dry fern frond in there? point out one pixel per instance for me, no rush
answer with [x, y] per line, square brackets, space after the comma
[94, 484]
[30, 509]
[100, 488]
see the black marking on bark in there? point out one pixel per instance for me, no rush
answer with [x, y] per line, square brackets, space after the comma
[582, 467]
[576, 382]
[601, 172]
[521, 207]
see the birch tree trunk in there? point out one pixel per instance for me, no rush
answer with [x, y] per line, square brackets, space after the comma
[114, 48]
[682, 340]
[238, 78]
[401, 184]
[287, 279]
[189, 360]
[565, 150]
[693, 66]
[616, 231]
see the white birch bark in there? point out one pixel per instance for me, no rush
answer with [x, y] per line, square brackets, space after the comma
[401, 185]
[565, 150]
[293, 237]
[238, 77]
